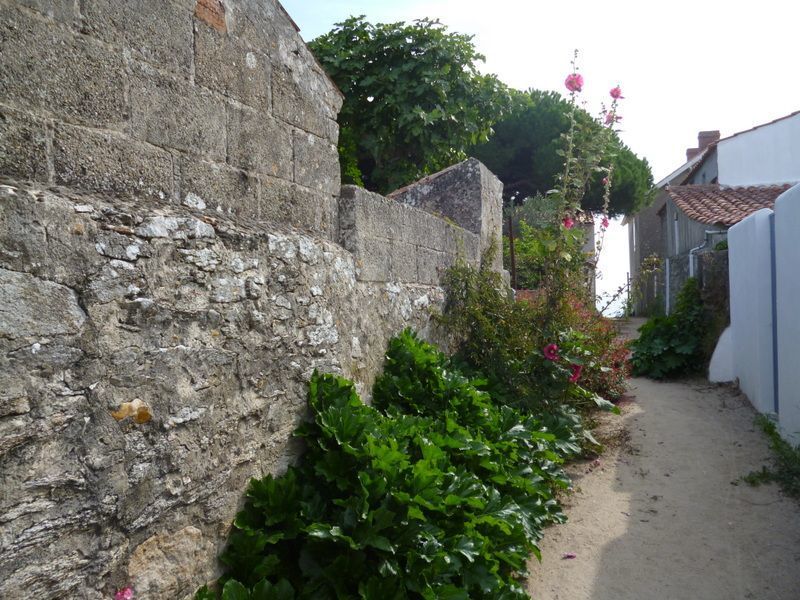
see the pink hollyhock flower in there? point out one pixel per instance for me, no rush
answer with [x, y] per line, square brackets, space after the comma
[568, 222]
[616, 93]
[574, 82]
[550, 352]
[124, 594]
[612, 118]
[576, 373]
[604, 181]
[604, 223]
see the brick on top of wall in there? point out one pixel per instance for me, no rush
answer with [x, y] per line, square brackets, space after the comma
[212, 13]
[155, 31]
[47, 69]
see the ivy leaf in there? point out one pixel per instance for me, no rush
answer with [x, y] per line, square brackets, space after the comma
[234, 590]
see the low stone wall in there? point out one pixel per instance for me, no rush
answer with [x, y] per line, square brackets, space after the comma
[466, 195]
[392, 241]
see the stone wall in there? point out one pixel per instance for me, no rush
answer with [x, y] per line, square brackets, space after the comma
[392, 241]
[463, 194]
[175, 261]
[211, 104]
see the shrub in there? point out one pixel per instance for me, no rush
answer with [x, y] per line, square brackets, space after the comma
[673, 345]
[607, 369]
[433, 492]
[503, 341]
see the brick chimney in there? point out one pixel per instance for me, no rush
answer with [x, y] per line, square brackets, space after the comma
[706, 138]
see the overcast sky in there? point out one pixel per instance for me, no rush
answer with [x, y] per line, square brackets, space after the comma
[684, 66]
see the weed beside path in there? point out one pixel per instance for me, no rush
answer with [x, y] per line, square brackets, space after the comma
[665, 516]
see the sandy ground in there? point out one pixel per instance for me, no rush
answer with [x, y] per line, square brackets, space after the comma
[663, 516]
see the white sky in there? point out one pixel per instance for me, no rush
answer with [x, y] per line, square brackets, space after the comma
[684, 66]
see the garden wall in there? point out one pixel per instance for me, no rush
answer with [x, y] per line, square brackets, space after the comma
[175, 261]
[765, 285]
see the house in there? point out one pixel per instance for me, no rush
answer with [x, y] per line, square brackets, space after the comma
[721, 182]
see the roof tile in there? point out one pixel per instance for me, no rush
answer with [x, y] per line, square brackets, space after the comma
[722, 205]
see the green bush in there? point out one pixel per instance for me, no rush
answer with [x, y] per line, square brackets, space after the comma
[672, 346]
[433, 492]
[502, 340]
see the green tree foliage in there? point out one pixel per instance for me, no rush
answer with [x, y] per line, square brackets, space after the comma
[414, 99]
[526, 153]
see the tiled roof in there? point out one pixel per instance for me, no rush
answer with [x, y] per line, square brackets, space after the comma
[721, 205]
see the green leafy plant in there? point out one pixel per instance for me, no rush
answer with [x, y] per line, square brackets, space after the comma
[785, 469]
[673, 345]
[433, 492]
[414, 98]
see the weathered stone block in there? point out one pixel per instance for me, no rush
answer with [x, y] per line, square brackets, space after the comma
[374, 260]
[226, 65]
[259, 143]
[48, 69]
[155, 31]
[259, 24]
[297, 206]
[23, 146]
[421, 229]
[316, 163]
[430, 264]
[31, 307]
[110, 163]
[469, 195]
[213, 187]
[404, 262]
[463, 244]
[300, 106]
[44, 250]
[171, 113]
[65, 11]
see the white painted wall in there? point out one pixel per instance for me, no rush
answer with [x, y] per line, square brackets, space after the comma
[787, 255]
[750, 273]
[721, 369]
[769, 154]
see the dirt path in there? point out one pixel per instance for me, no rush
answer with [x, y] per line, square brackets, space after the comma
[658, 518]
